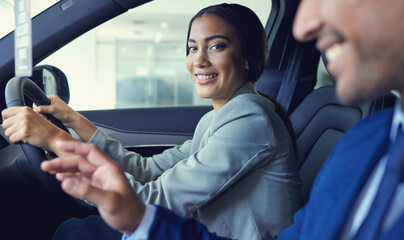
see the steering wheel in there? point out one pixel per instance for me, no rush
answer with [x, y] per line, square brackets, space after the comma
[15, 91]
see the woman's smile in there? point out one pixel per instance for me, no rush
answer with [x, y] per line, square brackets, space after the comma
[204, 79]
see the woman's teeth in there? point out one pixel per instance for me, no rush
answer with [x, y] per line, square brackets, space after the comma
[206, 77]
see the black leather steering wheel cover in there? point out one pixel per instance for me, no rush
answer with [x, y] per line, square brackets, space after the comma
[15, 91]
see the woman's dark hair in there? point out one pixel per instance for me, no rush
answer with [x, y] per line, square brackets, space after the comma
[249, 31]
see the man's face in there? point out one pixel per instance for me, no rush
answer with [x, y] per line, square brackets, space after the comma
[363, 41]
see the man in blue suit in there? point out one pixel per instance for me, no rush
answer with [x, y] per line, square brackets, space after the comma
[356, 194]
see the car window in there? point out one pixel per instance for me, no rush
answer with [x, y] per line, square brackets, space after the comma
[7, 13]
[323, 77]
[136, 59]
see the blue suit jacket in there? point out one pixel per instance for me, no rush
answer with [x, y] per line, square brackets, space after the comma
[333, 194]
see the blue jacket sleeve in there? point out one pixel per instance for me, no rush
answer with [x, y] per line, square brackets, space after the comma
[168, 225]
[294, 231]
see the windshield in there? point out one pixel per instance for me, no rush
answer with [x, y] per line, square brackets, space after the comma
[7, 13]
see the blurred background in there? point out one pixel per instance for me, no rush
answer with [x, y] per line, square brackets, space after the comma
[134, 60]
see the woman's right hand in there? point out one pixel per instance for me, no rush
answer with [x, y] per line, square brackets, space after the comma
[70, 118]
[22, 124]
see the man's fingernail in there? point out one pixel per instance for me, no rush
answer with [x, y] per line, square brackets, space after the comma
[70, 185]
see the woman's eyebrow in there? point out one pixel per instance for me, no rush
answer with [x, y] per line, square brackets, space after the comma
[211, 38]
[216, 36]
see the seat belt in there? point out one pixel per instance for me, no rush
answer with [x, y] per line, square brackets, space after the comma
[290, 78]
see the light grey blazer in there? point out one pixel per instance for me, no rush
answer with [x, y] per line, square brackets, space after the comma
[238, 174]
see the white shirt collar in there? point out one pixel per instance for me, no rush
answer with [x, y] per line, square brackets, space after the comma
[398, 118]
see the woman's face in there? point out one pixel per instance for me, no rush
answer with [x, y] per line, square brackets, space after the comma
[215, 60]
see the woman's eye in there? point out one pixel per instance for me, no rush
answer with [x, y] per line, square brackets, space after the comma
[192, 49]
[217, 47]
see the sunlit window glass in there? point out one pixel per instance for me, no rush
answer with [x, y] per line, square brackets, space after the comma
[137, 59]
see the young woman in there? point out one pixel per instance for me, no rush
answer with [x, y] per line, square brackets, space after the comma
[238, 175]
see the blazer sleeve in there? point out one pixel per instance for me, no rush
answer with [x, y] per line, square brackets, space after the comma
[143, 169]
[168, 225]
[232, 150]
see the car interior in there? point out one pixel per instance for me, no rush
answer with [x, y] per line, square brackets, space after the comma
[31, 208]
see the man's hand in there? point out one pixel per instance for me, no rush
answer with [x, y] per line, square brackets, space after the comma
[92, 176]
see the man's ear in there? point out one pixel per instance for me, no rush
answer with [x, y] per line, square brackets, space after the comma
[246, 66]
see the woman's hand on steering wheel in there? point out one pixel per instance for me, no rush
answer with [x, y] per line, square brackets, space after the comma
[23, 124]
[60, 110]
[70, 118]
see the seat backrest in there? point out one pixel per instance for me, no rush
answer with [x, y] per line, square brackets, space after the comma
[283, 115]
[319, 122]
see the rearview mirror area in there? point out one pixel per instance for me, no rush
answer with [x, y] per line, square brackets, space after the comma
[52, 81]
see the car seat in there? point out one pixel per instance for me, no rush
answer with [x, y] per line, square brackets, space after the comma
[319, 122]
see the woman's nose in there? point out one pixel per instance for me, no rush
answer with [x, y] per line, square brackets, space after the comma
[201, 59]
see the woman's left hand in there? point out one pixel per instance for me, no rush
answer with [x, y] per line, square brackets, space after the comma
[70, 118]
